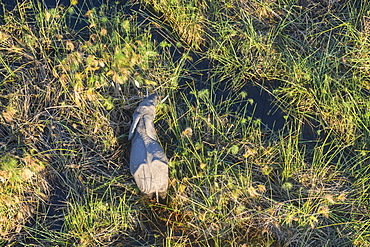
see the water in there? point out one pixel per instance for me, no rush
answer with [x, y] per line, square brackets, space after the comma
[259, 102]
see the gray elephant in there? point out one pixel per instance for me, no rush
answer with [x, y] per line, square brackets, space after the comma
[148, 162]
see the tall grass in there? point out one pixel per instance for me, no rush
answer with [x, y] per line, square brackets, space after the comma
[66, 102]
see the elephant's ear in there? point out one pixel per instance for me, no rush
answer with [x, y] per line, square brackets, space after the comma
[135, 121]
[149, 127]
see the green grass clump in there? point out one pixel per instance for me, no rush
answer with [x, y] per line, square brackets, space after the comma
[96, 221]
[66, 99]
[22, 188]
[185, 18]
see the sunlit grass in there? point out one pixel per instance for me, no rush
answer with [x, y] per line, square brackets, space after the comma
[95, 221]
[185, 18]
[22, 188]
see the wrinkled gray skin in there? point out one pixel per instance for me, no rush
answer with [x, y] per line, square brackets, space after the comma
[148, 162]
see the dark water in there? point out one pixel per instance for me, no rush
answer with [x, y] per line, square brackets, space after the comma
[259, 102]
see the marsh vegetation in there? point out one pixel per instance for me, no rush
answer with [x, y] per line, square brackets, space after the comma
[66, 100]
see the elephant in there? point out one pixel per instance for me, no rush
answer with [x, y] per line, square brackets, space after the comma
[148, 162]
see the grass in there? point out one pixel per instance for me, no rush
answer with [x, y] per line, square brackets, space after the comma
[67, 97]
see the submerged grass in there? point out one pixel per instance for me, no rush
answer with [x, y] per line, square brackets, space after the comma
[66, 102]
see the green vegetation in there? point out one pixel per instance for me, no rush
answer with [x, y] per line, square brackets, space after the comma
[67, 95]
